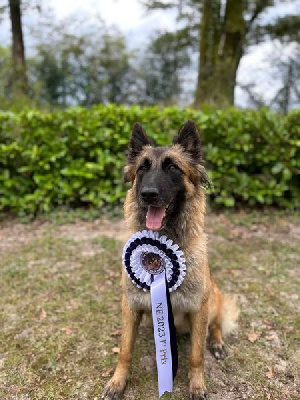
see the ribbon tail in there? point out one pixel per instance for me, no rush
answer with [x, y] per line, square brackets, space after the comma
[173, 337]
[165, 340]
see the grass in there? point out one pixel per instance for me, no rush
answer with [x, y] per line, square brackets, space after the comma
[60, 309]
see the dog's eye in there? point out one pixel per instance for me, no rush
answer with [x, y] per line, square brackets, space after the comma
[172, 167]
[143, 167]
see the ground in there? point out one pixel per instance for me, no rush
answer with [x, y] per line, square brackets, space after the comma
[60, 309]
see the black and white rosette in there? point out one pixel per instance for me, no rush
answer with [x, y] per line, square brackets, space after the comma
[154, 263]
[150, 242]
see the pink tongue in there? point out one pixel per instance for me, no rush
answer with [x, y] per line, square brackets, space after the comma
[154, 217]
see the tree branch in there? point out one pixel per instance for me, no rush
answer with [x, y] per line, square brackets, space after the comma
[286, 29]
[261, 5]
[162, 5]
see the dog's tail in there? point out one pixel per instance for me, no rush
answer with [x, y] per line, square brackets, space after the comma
[231, 313]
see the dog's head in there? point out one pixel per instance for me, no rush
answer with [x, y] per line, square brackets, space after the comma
[163, 178]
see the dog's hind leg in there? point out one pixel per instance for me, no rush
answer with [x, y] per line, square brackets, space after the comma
[131, 320]
[215, 339]
[198, 324]
[222, 319]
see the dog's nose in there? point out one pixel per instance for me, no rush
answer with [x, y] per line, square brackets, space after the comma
[149, 194]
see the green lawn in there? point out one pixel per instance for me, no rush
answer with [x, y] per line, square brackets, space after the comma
[60, 310]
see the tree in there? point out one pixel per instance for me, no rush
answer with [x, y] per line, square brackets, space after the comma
[226, 29]
[286, 69]
[114, 72]
[4, 73]
[283, 97]
[220, 48]
[164, 59]
[95, 66]
[18, 51]
[284, 66]
[82, 68]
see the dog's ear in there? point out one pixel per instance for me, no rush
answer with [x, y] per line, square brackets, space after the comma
[188, 137]
[138, 140]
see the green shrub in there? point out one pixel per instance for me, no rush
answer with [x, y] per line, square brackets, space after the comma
[75, 157]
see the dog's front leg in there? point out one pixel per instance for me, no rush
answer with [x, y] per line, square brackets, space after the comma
[198, 322]
[130, 321]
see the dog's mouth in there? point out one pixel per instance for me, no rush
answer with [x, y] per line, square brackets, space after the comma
[155, 217]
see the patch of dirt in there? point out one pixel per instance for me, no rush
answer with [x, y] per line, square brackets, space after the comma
[280, 229]
[13, 234]
[90, 230]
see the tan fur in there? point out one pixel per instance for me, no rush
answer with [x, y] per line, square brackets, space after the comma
[231, 314]
[198, 304]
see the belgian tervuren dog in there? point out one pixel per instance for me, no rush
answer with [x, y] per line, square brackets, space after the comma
[167, 194]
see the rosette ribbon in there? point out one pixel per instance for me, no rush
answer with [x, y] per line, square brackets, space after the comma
[154, 263]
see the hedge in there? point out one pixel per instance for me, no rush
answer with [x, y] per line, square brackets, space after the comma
[74, 157]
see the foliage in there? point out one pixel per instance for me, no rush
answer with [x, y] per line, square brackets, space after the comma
[284, 70]
[162, 66]
[4, 72]
[225, 30]
[70, 67]
[75, 157]
[82, 68]
[10, 97]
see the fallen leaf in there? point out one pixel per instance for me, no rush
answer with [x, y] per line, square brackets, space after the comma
[253, 336]
[232, 271]
[107, 373]
[134, 381]
[116, 349]
[67, 330]
[268, 324]
[270, 373]
[117, 332]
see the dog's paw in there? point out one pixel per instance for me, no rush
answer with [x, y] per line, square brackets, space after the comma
[112, 390]
[218, 350]
[198, 394]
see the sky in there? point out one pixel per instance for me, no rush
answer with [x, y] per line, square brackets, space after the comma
[130, 17]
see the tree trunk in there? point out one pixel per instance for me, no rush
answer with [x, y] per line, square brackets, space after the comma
[287, 88]
[221, 49]
[18, 52]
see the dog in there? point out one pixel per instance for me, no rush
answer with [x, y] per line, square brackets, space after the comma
[168, 195]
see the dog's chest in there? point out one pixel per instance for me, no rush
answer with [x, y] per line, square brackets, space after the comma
[187, 298]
